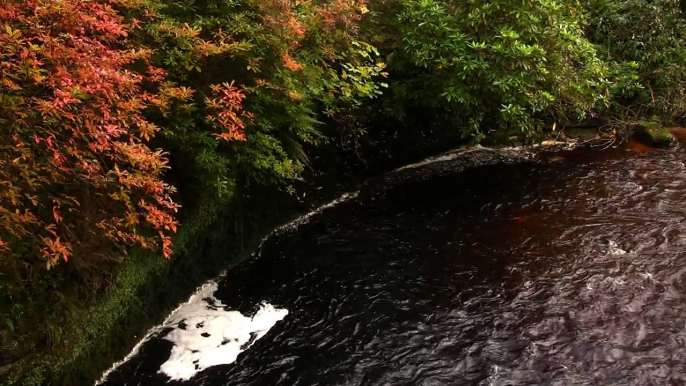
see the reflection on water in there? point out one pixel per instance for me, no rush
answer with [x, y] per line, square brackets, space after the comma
[559, 272]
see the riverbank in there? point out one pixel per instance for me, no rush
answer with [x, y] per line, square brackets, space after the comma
[213, 239]
[125, 122]
[455, 161]
[563, 269]
[103, 328]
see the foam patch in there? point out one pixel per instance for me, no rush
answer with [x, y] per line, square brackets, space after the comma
[206, 335]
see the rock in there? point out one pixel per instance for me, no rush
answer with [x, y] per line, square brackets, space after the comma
[653, 134]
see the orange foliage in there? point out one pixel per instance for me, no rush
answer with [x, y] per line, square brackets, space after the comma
[76, 177]
[226, 111]
[340, 15]
[290, 63]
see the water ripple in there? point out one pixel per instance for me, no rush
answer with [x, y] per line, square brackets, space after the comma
[537, 273]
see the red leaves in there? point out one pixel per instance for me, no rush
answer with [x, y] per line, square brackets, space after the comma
[290, 63]
[77, 177]
[341, 16]
[75, 151]
[55, 250]
[56, 212]
[166, 246]
[4, 247]
[62, 99]
[226, 111]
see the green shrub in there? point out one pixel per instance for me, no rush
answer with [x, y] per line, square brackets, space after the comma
[643, 41]
[499, 65]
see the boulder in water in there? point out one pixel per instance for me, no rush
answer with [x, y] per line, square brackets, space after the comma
[653, 134]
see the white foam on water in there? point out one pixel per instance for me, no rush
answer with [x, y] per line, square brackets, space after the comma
[213, 336]
[449, 156]
[292, 225]
[614, 249]
[205, 334]
[266, 313]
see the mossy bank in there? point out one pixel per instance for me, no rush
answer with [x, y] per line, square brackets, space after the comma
[654, 134]
[249, 112]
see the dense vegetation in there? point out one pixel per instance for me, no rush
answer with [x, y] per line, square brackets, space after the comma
[121, 120]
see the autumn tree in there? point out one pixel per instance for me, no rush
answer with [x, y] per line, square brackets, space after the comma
[77, 181]
[249, 83]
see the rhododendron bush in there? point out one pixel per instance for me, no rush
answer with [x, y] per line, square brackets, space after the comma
[77, 180]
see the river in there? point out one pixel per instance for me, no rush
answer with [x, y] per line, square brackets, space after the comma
[566, 269]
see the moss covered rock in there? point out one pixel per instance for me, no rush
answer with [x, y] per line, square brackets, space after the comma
[653, 134]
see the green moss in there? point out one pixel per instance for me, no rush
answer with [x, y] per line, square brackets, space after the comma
[146, 287]
[92, 327]
[653, 134]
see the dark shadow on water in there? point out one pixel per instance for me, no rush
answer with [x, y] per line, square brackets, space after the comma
[564, 271]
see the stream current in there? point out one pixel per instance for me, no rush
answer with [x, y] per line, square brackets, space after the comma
[569, 269]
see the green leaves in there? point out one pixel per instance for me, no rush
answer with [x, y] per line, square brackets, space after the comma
[529, 57]
[294, 62]
[644, 45]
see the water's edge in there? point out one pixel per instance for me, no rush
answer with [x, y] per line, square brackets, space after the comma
[453, 161]
[469, 268]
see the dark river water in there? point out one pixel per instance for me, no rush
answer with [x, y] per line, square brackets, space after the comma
[566, 270]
